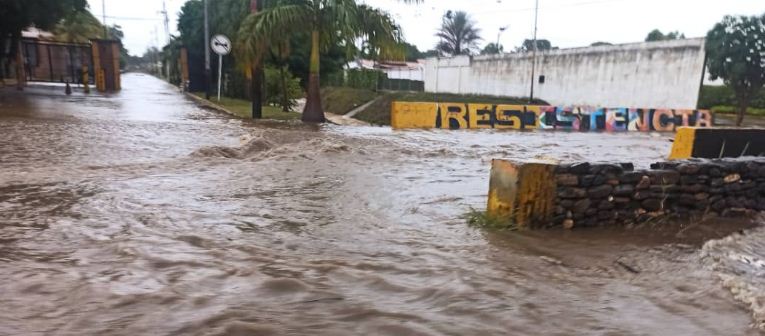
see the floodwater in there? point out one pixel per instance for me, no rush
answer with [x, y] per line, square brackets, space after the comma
[141, 214]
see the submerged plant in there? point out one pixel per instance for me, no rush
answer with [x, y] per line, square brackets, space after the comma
[482, 219]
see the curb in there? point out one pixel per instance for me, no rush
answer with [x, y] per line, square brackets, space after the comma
[209, 104]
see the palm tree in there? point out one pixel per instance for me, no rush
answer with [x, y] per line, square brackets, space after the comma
[78, 27]
[328, 21]
[458, 34]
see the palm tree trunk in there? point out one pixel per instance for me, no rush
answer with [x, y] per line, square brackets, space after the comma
[741, 111]
[313, 111]
[285, 94]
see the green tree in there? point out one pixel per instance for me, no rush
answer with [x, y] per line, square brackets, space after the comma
[328, 21]
[492, 49]
[735, 50]
[16, 15]
[411, 53]
[78, 27]
[600, 44]
[542, 45]
[458, 34]
[657, 35]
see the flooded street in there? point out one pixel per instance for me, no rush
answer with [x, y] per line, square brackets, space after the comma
[142, 214]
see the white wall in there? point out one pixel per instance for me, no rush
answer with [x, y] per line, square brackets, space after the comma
[410, 74]
[663, 74]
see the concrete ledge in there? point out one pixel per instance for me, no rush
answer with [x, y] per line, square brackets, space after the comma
[521, 193]
[534, 195]
[713, 143]
[209, 104]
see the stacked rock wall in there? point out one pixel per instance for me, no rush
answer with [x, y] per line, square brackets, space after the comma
[610, 194]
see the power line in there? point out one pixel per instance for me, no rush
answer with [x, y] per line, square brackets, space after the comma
[133, 18]
[530, 9]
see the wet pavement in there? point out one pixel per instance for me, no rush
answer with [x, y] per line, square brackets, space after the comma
[140, 213]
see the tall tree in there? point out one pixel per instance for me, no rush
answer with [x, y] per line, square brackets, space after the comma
[492, 49]
[735, 50]
[327, 21]
[458, 34]
[16, 15]
[657, 35]
[79, 27]
[542, 45]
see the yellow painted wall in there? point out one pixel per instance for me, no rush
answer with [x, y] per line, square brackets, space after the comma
[413, 115]
[449, 115]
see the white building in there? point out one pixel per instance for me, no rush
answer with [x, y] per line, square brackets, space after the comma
[664, 74]
[395, 70]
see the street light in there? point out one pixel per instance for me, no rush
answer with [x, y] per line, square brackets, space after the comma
[499, 33]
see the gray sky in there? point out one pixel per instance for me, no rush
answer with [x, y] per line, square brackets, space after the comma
[566, 23]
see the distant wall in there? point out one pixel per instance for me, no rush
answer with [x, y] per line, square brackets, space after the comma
[529, 117]
[664, 74]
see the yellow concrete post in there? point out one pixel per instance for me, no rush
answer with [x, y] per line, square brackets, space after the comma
[97, 69]
[522, 193]
[682, 147]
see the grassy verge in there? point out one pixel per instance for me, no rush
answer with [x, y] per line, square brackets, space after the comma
[243, 108]
[732, 110]
[342, 100]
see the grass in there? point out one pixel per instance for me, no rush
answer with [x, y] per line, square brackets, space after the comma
[342, 100]
[243, 108]
[481, 219]
[724, 109]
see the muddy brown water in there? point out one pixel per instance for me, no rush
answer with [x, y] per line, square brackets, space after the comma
[139, 213]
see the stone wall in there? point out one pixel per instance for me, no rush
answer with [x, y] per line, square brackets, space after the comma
[616, 194]
[543, 194]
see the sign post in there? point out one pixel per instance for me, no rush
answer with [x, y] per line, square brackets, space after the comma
[221, 45]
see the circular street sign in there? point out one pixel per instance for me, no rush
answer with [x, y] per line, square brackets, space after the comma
[220, 44]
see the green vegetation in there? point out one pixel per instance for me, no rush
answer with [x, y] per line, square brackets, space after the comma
[342, 100]
[243, 108]
[16, 15]
[724, 109]
[657, 35]
[458, 34]
[482, 220]
[736, 53]
[725, 96]
[327, 22]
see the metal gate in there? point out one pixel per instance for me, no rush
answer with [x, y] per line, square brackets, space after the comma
[57, 62]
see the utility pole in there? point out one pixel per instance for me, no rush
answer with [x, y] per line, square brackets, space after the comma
[207, 52]
[534, 53]
[257, 76]
[103, 15]
[166, 70]
[167, 23]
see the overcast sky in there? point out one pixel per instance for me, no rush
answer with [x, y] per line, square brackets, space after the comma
[566, 23]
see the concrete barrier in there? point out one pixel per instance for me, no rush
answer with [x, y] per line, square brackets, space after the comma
[537, 195]
[521, 193]
[713, 143]
[532, 117]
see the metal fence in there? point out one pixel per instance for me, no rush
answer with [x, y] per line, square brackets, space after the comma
[56, 62]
